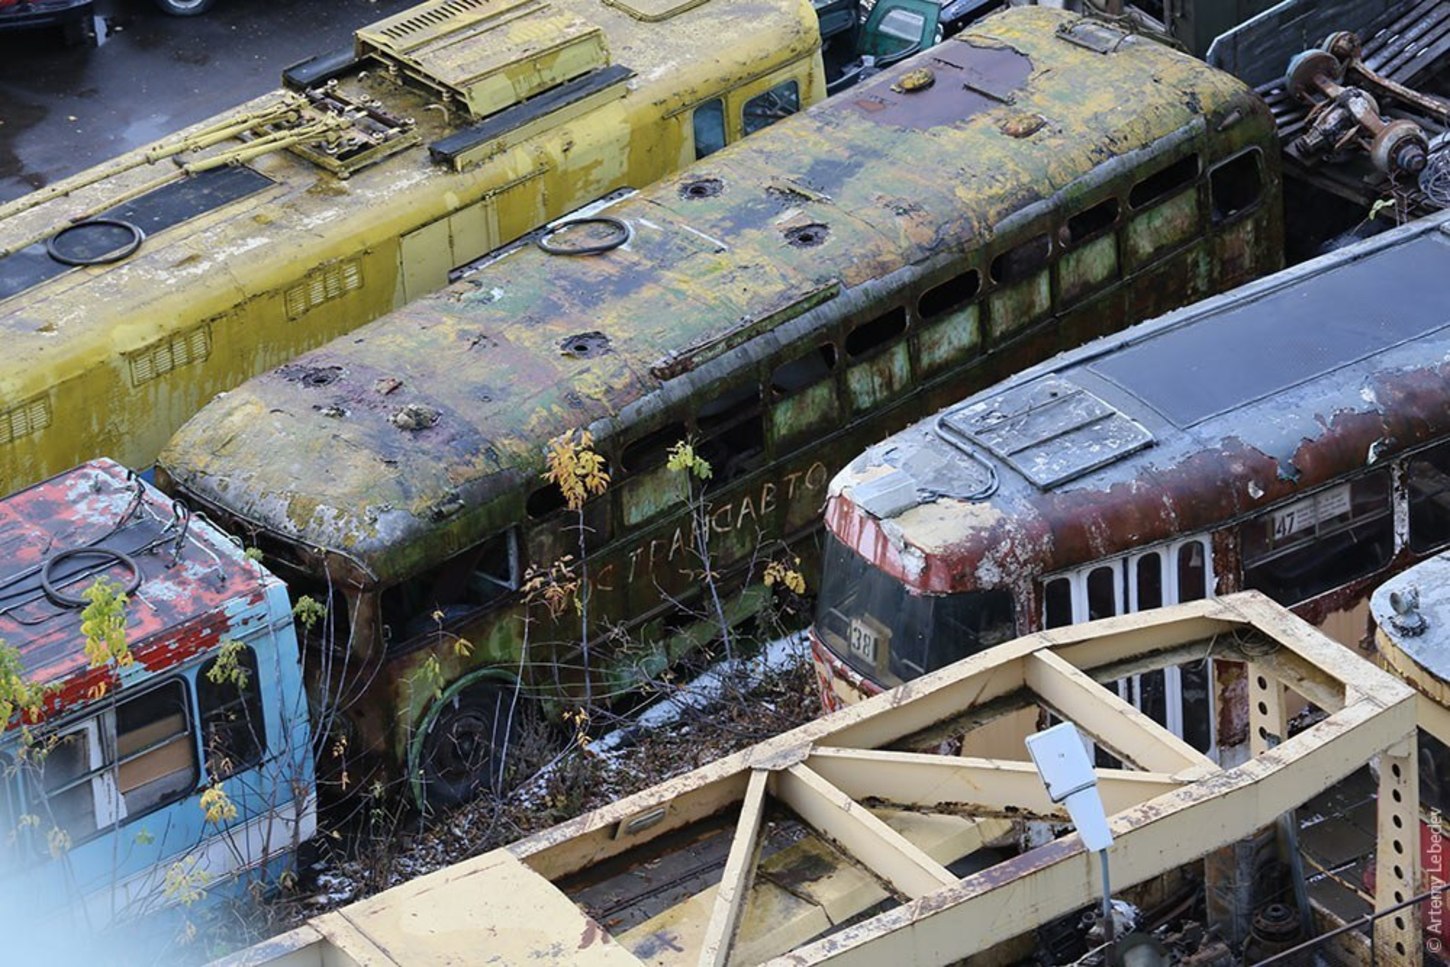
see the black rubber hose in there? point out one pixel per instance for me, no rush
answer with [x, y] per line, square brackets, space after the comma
[115, 255]
[618, 224]
[72, 601]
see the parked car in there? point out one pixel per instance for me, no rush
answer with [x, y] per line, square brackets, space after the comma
[76, 18]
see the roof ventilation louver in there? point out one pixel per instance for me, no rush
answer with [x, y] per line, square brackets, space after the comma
[486, 55]
[1049, 430]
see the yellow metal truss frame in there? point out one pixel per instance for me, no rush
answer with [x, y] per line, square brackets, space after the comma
[1172, 807]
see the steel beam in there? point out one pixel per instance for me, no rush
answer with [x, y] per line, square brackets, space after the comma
[1114, 723]
[1400, 935]
[910, 780]
[735, 881]
[867, 839]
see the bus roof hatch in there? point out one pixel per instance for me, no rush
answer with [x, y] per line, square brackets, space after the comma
[1050, 430]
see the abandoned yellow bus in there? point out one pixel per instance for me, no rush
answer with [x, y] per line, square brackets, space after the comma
[1031, 183]
[134, 292]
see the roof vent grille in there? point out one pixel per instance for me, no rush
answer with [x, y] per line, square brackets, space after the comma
[486, 55]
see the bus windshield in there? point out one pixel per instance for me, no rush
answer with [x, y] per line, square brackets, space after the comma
[891, 634]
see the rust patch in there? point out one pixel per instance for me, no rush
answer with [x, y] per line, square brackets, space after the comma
[1023, 125]
[593, 934]
[968, 79]
[803, 869]
[311, 376]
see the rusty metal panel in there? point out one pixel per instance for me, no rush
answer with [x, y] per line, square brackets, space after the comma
[197, 587]
[1051, 431]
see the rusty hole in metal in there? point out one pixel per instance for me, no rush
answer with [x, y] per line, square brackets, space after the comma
[585, 344]
[320, 375]
[702, 188]
[807, 236]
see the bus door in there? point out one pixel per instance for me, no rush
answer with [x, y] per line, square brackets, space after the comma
[1178, 698]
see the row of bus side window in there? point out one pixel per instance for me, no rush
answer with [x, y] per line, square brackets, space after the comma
[1163, 214]
[760, 111]
[1177, 697]
[1136, 582]
[728, 435]
[1295, 551]
[126, 762]
[727, 430]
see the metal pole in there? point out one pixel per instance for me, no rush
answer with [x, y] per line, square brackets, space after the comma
[1108, 929]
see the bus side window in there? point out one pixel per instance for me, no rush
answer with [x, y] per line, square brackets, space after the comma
[1236, 185]
[557, 531]
[650, 487]
[880, 360]
[10, 832]
[764, 109]
[156, 754]
[229, 698]
[732, 433]
[1024, 287]
[469, 581]
[709, 125]
[1295, 551]
[1192, 571]
[1147, 587]
[495, 568]
[804, 398]
[951, 329]
[1165, 210]
[120, 764]
[1089, 259]
[1428, 479]
[1102, 592]
[79, 791]
[1057, 603]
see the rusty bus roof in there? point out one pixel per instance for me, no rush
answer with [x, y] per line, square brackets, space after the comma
[221, 237]
[314, 451]
[193, 583]
[1215, 410]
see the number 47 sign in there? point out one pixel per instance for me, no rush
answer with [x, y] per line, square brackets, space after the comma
[1304, 514]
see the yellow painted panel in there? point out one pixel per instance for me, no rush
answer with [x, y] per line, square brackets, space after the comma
[498, 908]
[427, 255]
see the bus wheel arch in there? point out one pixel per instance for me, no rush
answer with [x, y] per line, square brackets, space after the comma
[455, 752]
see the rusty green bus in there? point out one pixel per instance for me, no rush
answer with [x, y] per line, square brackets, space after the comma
[1032, 183]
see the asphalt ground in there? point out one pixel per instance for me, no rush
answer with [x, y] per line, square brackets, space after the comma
[63, 109]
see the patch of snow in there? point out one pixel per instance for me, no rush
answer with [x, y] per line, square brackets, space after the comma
[709, 687]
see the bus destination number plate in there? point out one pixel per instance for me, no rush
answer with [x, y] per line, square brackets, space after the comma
[865, 639]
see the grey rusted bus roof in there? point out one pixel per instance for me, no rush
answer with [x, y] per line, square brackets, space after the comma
[1217, 409]
[392, 445]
